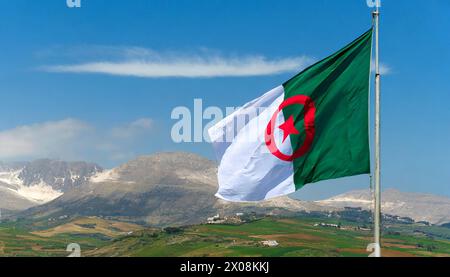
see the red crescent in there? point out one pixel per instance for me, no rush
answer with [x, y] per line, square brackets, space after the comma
[310, 113]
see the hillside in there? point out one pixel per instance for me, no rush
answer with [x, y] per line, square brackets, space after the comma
[304, 236]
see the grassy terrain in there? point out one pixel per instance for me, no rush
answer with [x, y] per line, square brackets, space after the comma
[16, 239]
[296, 237]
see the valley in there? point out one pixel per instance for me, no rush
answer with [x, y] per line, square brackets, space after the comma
[159, 205]
[295, 236]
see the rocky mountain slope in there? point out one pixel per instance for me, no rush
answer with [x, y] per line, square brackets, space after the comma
[167, 189]
[162, 189]
[420, 207]
[23, 185]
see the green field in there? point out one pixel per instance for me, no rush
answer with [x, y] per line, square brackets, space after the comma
[296, 237]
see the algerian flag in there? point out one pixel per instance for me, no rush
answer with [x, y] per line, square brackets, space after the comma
[313, 127]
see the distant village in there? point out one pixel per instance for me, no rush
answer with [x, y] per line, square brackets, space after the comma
[241, 218]
[352, 214]
[235, 219]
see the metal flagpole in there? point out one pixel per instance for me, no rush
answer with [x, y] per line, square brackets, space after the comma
[376, 246]
[377, 216]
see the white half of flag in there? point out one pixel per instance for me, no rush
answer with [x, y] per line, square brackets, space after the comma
[248, 171]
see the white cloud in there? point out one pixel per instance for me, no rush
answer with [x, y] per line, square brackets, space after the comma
[141, 62]
[132, 129]
[42, 139]
[146, 63]
[71, 139]
[384, 68]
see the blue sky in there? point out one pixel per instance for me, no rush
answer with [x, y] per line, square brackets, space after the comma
[52, 109]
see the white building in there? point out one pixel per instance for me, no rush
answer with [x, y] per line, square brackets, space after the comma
[213, 219]
[270, 243]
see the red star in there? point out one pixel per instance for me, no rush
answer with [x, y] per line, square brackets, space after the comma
[288, 128]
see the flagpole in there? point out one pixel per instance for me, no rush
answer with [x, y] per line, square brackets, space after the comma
[377, 210]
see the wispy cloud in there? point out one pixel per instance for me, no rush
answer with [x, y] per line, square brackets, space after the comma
[71, 139]
[141, 62]
[133, 129]
[384, 68]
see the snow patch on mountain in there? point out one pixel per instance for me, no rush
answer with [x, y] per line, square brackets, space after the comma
[11, 177]
[105, 176]
[41, 181]
[334, 200]
[40, 193]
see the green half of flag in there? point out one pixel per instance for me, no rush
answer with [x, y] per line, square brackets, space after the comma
[338, 87]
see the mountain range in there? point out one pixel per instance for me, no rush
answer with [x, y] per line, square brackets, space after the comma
[28, 184]
[167, 189]
[420, 207]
